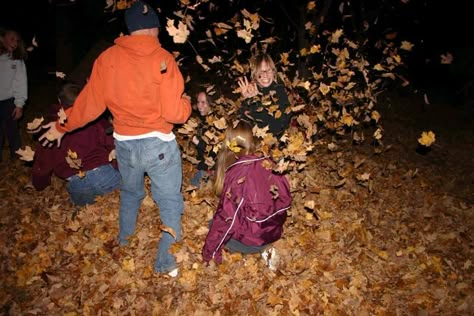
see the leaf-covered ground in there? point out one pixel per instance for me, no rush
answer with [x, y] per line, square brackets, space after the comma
[395, 242]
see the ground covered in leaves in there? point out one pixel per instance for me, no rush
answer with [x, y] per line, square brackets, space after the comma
[386, 233]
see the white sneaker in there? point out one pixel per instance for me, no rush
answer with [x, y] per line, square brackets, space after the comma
[271, 258]
[173, 273]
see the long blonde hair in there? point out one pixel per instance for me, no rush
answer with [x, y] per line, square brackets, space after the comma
[240, 137]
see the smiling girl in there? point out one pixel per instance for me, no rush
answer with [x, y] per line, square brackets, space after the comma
[265, 100]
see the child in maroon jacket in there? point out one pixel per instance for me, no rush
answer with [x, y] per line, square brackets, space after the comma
[253, 199]
[92, 145]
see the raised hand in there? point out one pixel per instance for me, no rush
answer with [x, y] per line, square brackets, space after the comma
[248, 89]
[51, 135]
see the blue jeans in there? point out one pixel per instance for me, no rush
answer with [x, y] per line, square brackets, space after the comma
[197, 177]
[162, 162]
[233, 245]
[97, 182]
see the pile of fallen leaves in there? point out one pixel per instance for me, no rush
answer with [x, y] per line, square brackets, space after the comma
[366, 235]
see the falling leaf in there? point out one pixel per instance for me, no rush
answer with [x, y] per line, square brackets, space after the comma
[220, 124]
[274, 191]
[163, 66]
[201, 62]
[233, 146]
[62, 116]
[348, 120]
[446, 59]
[72, 160]
[169, 230]
[336, 35]
[378, 134]
[406, 46]
[60, 74]
[179, 34]
[324, 88]
[375, 116]
[26, 154]
[35, 125]
[245, 34]
[427, 138]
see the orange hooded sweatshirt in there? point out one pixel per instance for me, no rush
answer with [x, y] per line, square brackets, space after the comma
[141, 85]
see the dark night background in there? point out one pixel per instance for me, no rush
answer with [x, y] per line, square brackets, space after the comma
[67, 30]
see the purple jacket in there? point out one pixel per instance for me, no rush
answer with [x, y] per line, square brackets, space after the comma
[91, 143]
[252, 208]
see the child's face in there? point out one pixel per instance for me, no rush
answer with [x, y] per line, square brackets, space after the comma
[11, 41]
[202, 104]
[265, 75]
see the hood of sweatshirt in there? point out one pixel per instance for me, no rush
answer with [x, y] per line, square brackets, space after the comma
[139, 45]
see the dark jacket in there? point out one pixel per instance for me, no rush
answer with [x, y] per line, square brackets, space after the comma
[201, 147]
[91, 143]
[261, 109]
[252, 207]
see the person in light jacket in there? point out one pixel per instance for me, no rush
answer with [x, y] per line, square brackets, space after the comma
[253, 199]
[13, 87]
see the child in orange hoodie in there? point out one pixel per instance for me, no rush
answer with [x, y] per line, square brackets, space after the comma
[141, 85]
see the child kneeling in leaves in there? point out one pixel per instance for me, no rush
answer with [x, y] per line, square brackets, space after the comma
[253, 200]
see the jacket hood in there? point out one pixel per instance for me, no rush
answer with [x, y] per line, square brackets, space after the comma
[140, 45]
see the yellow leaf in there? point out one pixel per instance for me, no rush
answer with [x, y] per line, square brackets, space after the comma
[348, 120]
[71, 154]
[128, 264]
[233, 146]
[427, 138]
[315, 49]
[379, 67]
[375, 116]
[324, 88]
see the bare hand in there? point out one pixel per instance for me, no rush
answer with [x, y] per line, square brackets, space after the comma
[248, 89]
[51, 135]
[195, 140]
[17, 113]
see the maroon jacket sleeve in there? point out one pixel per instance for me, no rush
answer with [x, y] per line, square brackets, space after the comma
[223, 225]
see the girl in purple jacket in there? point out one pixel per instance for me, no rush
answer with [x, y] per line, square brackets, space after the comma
[253, 200]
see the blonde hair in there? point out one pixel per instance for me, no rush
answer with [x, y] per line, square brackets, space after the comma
[240, 136]
[256, 65]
